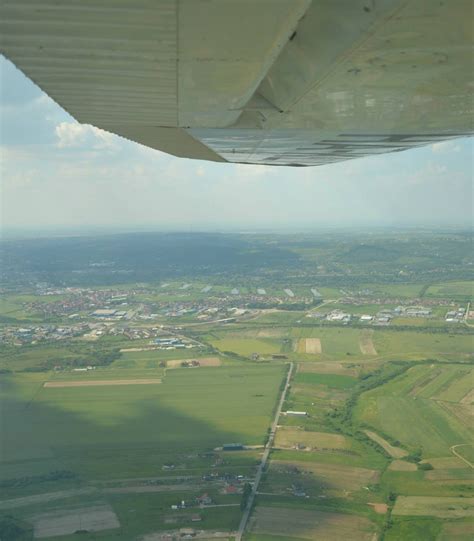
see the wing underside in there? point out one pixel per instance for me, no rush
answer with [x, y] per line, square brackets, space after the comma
[276, 82]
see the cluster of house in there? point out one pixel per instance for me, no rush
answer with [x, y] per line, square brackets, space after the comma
[172, 342]
[75, 299]
[182, 533]
[455, 316]
[134, 333]
[205, 499]
[339, 316]
[200, 501]
[381, 318]
[109, 314]
[19, 336]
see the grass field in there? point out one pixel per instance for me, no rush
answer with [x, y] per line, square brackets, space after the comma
[333, 381]
[247, 346]
[329, 368]
[333, 477]
[423, 345]
[190, 411]
[415, 396]
[463, 291]
[414, 529]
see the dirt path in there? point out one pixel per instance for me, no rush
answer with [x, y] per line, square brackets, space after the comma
[468, 398]
[366, 344]
[103, 382]
[453, 450]
[140, 489]
[45, 497]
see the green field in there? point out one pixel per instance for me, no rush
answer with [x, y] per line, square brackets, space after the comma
[423, 345]
[332, 381]
[414, 396]
[247, 346]
[462, 291]
[188, 411]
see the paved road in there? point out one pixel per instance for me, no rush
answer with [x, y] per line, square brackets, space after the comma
[263, 463]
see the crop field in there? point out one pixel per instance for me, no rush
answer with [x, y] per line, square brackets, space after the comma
[310, 524]
[288, 437]
[335, 343]
[457, 531]
[328, 343]
[451, 463]
[413, 408]
[442, 507]
[334, 477]
[309, 345]
[58, 523]
[415, 395]
[402, 465]
[203, 361]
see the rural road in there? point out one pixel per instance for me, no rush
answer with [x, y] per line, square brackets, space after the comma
[466, 315]
[263, 463]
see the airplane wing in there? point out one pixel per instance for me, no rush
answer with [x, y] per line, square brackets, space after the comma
[276, 82]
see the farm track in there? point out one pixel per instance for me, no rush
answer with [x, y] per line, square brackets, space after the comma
[46, 497]
[455, 453]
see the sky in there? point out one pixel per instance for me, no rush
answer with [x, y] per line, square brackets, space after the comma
[57, 174]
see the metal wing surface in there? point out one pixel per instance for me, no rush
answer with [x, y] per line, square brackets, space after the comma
[276, 82]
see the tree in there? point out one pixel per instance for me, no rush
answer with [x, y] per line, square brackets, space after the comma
[245, 496]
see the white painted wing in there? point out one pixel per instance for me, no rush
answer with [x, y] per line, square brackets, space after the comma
[278, 82]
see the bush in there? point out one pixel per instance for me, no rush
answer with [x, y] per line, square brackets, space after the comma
[12, 529]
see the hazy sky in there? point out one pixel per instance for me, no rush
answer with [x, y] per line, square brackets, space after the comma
[56, 172]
